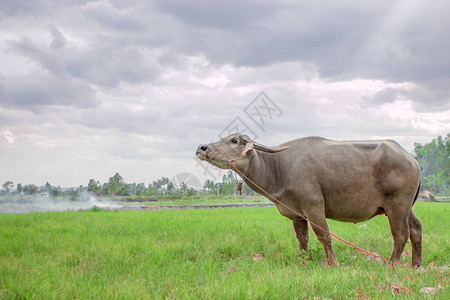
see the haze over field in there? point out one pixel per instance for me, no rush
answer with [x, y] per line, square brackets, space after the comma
[40, 203]
[91, 88]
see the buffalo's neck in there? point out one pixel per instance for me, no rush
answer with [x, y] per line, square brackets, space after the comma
[266, 171]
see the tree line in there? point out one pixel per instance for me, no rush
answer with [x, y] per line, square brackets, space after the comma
[117, 187]
[434, 160]
[433, 157]
[163, 187]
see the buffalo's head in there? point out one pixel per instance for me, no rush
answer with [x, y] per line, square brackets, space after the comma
[236, 147]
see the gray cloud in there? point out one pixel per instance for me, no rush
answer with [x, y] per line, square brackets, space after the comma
[396, 42]
[123, 18]
[386, 96]
[228, 15]
[59, 40]
[103, 63]
[352, 39]
[432, 96]
[38, 88]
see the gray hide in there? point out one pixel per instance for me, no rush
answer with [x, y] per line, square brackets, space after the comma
[350, 181]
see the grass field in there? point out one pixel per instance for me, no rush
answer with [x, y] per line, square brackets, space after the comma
[209, 254]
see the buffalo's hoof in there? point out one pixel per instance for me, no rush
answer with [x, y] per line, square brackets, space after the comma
[328, 264]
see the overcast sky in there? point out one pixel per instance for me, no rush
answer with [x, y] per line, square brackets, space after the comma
[91, 88]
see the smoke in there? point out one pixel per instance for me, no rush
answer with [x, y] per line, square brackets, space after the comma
[40, 203]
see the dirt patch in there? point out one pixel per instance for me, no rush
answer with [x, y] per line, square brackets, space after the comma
[136, 200]
[184, 207]
[139, 207]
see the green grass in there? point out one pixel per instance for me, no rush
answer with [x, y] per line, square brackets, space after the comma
[204, 254]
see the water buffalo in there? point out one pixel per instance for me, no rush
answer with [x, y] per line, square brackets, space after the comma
[350, 181]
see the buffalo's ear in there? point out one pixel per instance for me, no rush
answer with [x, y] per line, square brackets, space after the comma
[248, 148]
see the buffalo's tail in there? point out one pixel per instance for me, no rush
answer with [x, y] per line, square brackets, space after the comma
[418, 191]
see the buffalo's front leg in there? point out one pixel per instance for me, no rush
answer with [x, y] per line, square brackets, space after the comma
[301, 232]
[320, 227]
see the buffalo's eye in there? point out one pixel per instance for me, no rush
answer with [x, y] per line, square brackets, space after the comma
[234, 141]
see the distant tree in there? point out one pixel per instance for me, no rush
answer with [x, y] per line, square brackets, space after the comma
[48, 188]
[162, 184]
[159, 183]
[94, 187]
[73, 194]
[152, 191]
[125, 189]
[434, 160]
[186, 191]
[183, 189]
[19, 188]
[229, 183]
[8, 185]
[170, 187]
[56, 191]
[30, 189]
[208, 186]
[104, 189]
[132, 188]
[114, 185]
[140, 187]
[218, 188]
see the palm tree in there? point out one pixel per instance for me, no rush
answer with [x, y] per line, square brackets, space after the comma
[208, 186]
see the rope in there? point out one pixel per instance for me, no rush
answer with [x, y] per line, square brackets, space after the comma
[273, 199]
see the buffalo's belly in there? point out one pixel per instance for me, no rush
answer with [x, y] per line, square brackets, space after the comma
[352, 209]
[288, 211]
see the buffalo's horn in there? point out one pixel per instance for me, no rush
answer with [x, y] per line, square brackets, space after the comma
[270, 150]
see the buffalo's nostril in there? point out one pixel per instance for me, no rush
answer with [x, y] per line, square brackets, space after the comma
[203, 147]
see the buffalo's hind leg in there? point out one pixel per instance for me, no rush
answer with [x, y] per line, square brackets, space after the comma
[301, 232]
[415, 235]
[398, 223]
